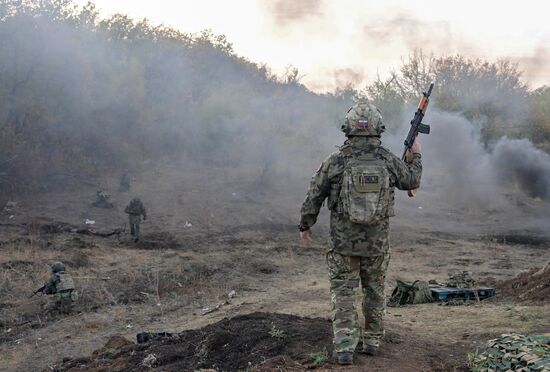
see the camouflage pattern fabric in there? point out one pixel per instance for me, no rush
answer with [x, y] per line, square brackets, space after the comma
[134, 220]
[461, 280]
[350, 238]
[365, 193]
[514, 352]
[62, 302]
[359, 253]
[102, 200]
[61, 286]
[136, 207]
[345, 275]
[414, 293]
[135, 210]
[124, 183]
[363, 119]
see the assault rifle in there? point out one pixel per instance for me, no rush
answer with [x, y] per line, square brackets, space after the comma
[417, 127]
[41, 289]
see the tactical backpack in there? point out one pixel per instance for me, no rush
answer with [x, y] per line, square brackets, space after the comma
[365, 192]
[416, 293]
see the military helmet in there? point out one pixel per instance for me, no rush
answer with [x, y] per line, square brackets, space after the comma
[58, 266]
[363, 119]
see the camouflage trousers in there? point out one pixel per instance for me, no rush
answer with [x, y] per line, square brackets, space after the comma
[62, 302]
[135, 220]
[346, 273]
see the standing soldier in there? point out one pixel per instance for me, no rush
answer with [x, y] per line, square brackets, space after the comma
[135, 210]
[124, 182]
[61, 285]
[359, 181]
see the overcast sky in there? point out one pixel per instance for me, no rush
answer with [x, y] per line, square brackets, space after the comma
[333, 42]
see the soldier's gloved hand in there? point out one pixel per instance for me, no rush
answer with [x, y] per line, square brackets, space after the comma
[305, 236]
[416, 148]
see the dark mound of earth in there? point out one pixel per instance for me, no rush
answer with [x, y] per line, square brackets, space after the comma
[527, 287]
[258, 339]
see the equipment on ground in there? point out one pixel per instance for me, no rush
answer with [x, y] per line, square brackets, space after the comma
[420, 292]
[445, 294]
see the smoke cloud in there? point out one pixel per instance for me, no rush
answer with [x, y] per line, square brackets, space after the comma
[288, 11]
[463, 174]
[536, 65]
[93, 99]
[528, 168]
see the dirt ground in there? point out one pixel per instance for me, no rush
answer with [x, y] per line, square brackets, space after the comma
[205, 239]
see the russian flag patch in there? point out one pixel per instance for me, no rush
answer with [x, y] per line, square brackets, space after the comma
[362, 122]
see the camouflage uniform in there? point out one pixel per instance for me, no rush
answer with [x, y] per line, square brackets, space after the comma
[135, 210]
[60, 285]
[461, 280]
[124, 182]
[357, 252]
[103, 200]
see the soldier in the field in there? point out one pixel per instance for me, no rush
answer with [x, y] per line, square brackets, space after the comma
[103, 200]
[124, 182]
[135, 210]
[61, 286]
[359, 181]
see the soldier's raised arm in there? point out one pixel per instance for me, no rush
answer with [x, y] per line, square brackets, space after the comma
[406, 176]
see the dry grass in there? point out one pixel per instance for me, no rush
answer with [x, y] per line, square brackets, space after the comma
[471, 322]
[103, 276]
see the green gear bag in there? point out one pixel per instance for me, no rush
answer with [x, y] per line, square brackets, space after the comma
[406, 293]
[365, 192]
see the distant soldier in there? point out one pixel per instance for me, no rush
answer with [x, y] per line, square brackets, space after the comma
[61, 285]
[124, 182]
[103, 200]
[135, 210]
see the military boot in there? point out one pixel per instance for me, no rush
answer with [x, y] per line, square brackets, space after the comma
[345, 358]
[369, 349]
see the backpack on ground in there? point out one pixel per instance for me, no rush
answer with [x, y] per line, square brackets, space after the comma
[406, 293]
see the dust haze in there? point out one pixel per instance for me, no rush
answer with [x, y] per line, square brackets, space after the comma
[94, 96]
[288, 11]
[221, 150]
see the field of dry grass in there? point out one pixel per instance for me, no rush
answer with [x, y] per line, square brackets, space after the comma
[237, 241]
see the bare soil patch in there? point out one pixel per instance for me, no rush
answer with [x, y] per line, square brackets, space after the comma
[532, 287]
[264, 342]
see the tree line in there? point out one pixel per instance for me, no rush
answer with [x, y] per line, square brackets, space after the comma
[81, 94]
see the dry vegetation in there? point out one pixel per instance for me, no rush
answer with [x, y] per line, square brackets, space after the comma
[220, 151]
[165, 286]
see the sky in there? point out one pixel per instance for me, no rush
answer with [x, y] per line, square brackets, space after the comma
[339, 42]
